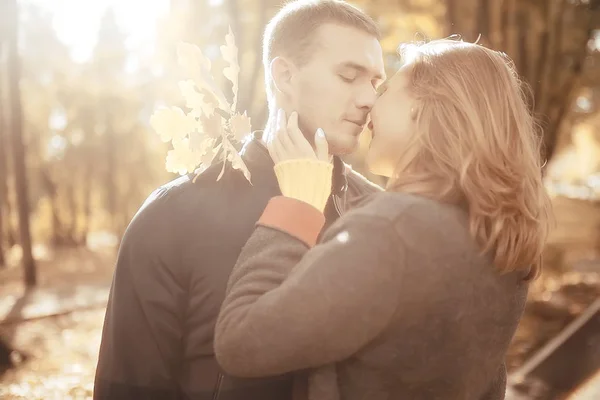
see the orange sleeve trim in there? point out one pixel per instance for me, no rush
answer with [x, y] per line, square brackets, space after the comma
[294, 217]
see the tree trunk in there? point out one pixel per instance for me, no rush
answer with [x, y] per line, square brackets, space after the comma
[110, 177]
[3, 154]
[52, 193]
[234, 15]
[248, 99]
[73, 211]
[547, 40]
[8, 230]
[18, 147]
[87, 200]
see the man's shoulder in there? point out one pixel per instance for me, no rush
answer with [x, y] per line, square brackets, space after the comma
[185, 191]
[176, 200]
[165, 196]
[155, 215]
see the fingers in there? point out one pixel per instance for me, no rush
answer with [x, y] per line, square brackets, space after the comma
[294, 132]
[298, 139]
[276, 150]
[282, 131]
[321, 146]
[288, 142]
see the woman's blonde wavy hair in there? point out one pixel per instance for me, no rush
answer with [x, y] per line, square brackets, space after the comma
[477, 144]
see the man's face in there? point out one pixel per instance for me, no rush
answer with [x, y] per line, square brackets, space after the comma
[336, 89]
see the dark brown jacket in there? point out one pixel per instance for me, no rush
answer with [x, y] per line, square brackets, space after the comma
[397, 295]
[170, 280]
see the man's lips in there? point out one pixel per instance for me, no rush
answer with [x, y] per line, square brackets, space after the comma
[360, 123]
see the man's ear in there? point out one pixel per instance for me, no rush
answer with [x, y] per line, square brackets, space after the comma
[282, 71]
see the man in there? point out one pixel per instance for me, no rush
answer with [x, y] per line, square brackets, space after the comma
[323, 60]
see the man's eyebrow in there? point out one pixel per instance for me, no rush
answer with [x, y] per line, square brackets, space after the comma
[361, 68]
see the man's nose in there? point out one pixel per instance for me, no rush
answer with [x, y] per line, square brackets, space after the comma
[366, 98]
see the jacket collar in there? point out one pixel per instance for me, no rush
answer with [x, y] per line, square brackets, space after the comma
[260, 163]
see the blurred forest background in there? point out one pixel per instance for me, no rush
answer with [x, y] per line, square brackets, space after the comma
[79, 81]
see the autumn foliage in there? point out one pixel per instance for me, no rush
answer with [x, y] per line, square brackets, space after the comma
[208, 132]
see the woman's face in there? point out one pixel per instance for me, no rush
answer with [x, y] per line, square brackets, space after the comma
[392, 124]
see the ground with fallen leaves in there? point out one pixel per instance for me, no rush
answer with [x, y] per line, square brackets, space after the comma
[57, 326]
[63, 353]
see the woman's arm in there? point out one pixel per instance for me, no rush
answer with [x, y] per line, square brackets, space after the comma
[289, 308]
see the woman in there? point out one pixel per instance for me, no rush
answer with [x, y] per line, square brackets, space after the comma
[417, 293]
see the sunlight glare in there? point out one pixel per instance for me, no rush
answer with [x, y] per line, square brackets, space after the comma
[57, 120]
[56, 147]
[77, 22]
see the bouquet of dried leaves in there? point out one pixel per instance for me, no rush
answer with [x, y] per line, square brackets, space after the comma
[207, 133]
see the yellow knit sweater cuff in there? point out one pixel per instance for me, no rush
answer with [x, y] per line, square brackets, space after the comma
[305, 180]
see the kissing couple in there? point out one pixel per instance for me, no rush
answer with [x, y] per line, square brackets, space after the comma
[313, 283]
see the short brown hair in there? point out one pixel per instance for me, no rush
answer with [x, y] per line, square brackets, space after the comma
[291, 31]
